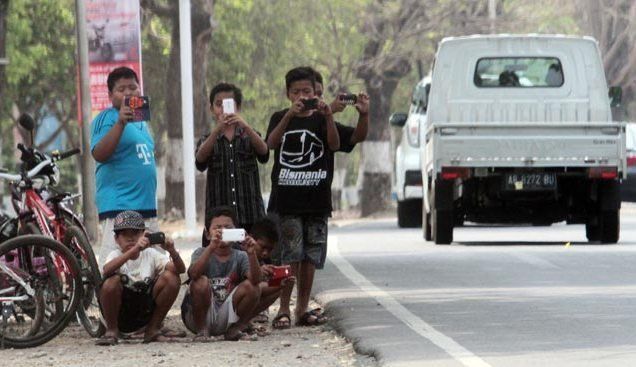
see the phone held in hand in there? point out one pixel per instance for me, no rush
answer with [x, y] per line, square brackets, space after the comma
[156, 238]
[348, 99]
[279, 273]
[310, 104]
[140, 106]
[233, 235]
[229, 106]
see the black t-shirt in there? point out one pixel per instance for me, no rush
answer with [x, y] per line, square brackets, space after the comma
[344, 132]
[302, 172]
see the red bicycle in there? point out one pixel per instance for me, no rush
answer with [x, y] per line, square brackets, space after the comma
[41, 210]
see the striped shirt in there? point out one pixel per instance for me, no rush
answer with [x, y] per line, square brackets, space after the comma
[233, 178]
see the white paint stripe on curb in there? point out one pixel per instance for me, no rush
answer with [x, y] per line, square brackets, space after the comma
[455, 350]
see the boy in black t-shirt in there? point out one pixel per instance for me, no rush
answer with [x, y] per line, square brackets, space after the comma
[303, 137]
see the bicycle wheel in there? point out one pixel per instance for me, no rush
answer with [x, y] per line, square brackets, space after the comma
[88, 312]
[33, 276]
[54, 305]
[23, 317]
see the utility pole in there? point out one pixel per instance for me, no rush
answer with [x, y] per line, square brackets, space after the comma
[87, 163]
[187, 115]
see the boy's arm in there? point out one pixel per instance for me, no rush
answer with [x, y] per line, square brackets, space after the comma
[207, 147]
[199, 265]
[258, 143]
[276, 134]
[107, 145]
[113, 265]
[177, 262]
[362, 127]
[254, 274]
[333, 139]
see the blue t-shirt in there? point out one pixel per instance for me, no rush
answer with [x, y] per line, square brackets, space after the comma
[128, 179]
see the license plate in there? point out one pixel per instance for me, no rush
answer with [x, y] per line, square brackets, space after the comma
[530, 181]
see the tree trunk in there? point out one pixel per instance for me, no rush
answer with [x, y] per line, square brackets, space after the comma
[201, 35]
[375, 165]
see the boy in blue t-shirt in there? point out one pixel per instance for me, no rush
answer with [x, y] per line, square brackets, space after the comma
[125, 174]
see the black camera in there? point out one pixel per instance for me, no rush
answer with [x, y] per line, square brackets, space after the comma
[157, 238]
[349, 99]
[310, 104]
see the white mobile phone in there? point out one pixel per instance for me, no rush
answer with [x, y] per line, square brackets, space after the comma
[229, 106]
[233, 235]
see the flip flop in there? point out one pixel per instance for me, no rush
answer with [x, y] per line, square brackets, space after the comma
[106, 341]
[240, 336]
[279, 324]
[261, 318]
[158, 337]
[167, 332]
[312, 318]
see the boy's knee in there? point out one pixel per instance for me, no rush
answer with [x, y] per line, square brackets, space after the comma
[249, 288]
[111, 285]
[199, 286]
[171, 279]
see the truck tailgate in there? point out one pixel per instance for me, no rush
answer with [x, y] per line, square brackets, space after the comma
[527, 144]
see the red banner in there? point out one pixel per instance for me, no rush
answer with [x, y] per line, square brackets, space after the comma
[114, 40]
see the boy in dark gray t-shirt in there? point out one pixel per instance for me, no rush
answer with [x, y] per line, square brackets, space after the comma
[223, 283]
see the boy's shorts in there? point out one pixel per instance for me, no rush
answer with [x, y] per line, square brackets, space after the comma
[303, 238]
[137, 306]
[219, 316]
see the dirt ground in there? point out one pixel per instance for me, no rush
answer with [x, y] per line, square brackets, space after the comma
[297, 346]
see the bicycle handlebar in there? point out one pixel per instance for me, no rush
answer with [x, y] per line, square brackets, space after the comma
[68, 153]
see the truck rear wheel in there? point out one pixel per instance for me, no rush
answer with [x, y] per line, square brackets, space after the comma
[409, 213]
[610, 226]
[426, 225]
[592, 232]
[442, 226]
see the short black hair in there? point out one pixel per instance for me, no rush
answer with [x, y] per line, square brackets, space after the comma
[300, 73]
[121, 72]
[220, 211]
[266, 228]
[227, 87]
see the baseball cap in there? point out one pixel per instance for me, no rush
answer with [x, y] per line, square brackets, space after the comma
[128, 219]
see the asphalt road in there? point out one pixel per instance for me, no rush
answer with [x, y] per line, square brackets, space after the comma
[497, 296]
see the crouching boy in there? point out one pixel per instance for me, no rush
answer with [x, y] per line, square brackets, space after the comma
[141, 283]
[224, 283]
[266, 234]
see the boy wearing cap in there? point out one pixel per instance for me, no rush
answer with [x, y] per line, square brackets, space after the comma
[141, 283]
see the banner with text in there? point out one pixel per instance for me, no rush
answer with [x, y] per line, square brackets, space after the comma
[114, 40]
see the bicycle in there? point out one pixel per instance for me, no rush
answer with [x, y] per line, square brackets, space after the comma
[32, 269]
[43, 213]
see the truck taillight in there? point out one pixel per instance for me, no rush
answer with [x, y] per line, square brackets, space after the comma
[452, 173]
[413, 133]
[603, 173]
[631, 159]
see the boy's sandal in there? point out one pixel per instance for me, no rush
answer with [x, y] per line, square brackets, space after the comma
[167, 332]
[106, 341]
[201, 338]
[261, 318]
[239, 335]
[312, 318]
[281, 321]
[158, 337]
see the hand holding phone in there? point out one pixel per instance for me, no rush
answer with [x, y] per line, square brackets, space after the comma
[156, 238]
[348, 99]
[278, 274]
[233, 235]
[229, 106]
[310, 104]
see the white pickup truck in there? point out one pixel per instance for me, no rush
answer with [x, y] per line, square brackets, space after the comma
[519, 130]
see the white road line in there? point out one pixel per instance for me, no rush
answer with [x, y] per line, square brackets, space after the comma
[454, 349]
